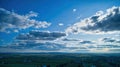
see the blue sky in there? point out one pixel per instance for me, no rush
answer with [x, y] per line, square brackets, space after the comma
[65, 23]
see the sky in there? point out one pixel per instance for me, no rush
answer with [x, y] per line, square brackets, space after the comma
[73, 26]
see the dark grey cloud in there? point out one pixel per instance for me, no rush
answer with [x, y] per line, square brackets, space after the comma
[86, 42]
[108, 21]
[74, 48]
[108, 40]
[11, 20]
[40, 35]
[70, 39]
[118, 41]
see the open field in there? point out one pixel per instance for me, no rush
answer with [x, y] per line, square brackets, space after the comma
[59, 60]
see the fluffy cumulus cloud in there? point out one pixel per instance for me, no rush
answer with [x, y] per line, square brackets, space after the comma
[11, 20]
[40, 35]
[101, 22]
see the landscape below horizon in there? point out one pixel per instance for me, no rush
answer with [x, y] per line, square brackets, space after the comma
[59, 60]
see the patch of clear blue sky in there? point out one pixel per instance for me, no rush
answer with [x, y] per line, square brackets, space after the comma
[56, 11]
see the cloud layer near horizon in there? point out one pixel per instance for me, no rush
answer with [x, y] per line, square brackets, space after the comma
[62, 46]
[23, 46]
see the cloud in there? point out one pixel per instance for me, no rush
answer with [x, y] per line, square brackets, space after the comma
[54, 46]
[32, 45]
[115, 50]
[108, 46]
[118, 41]
[40, 35]
[86, 42]
[50, 46]
[74, 10]
[70, 39]
[109, 40]
[101, 22]
[11, 20]
[60, 24]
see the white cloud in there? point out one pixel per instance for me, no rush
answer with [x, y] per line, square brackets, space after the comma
[60, 24]
[101, 22]
[74, 10]
[11, 20]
